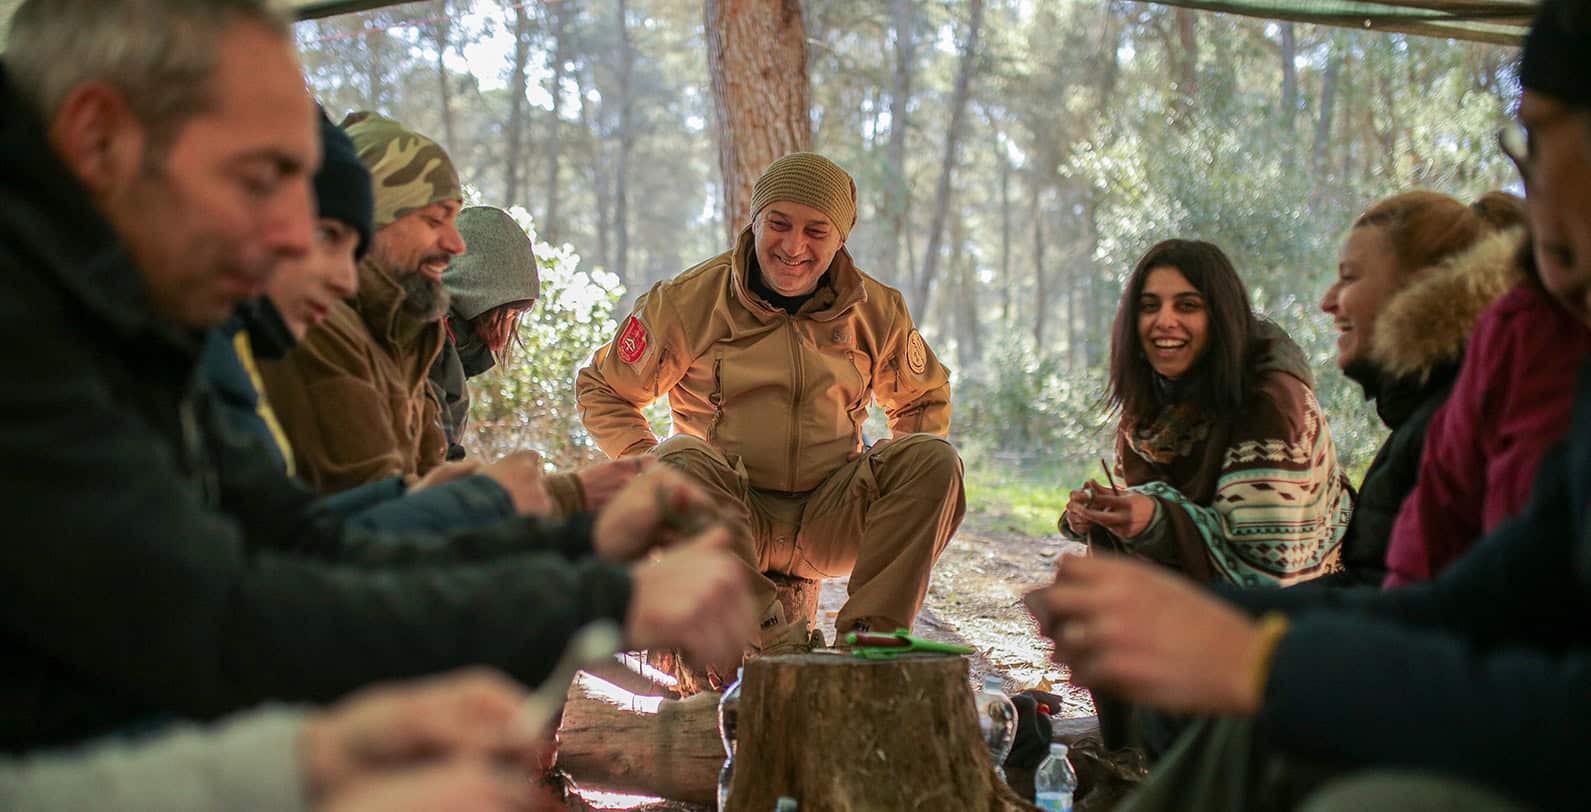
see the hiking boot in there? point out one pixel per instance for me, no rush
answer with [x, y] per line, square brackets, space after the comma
[782, 637]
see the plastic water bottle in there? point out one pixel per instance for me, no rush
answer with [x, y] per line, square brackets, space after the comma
[725, 776]
[1055, 781]
[997, 719]
[728, 727]
[729, 713]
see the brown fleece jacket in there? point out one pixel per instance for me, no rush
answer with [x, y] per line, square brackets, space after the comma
[353, 396]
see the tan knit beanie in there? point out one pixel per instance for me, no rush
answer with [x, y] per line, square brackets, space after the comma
[811, 180]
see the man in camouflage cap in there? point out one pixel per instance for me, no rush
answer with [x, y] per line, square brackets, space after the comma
[353, 396]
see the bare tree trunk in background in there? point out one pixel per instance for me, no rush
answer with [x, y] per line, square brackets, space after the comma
[1076, 309]
[560, 55]
[968, 345]
[923, 288]
[516, 106]
[1110, 49]
[1003, 160]
[444, 28]
[1098, 335]
[374, 84]
[1041, 285]
[1188, 78]
[1389, 139]
[599, 169]
[621, 192]
[897, 191]
[1328, 98]
[1289, 76]
[757, 57]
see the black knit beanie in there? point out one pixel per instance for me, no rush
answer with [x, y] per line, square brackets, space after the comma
[1558, 53]
[342, 186]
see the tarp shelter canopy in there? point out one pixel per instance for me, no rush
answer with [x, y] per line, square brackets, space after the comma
[1503, 22]
[1497, 21]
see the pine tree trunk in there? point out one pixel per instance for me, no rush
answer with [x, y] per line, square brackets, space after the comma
[516, 106]
[1004, 161]
[757, 57]
[923, 288]
[1328, 98]
[1289, 76]
[444, 29]
[549, 220]
[897, 189]
[1041, 287]
[621, 180]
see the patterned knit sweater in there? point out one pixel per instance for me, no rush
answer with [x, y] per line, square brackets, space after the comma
[1254, 498]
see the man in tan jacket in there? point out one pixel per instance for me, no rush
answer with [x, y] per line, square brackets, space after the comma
[770, 355]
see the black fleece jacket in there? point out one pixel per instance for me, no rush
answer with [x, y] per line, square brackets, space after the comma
[153, 567]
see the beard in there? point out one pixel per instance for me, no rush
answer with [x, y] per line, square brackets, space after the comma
[424, 298]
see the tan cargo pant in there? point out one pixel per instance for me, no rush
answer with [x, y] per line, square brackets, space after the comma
[882, 518]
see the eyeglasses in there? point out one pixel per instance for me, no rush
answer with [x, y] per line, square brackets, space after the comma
[1514, 139]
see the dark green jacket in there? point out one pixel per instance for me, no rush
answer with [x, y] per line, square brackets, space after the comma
[146, 571]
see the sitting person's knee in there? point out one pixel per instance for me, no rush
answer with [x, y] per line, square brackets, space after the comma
[676, 449]
[929, 454]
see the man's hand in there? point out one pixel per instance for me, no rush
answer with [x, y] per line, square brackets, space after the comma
[1126, 514]
[603, 481]
[696, 599]
[466, 715]
[520, 473]
[1149, 635]
[657, 508]
[445, 473]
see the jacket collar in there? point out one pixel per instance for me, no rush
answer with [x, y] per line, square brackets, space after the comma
[1426, 325]
[48, 220]
[380, 305]
[845, 285]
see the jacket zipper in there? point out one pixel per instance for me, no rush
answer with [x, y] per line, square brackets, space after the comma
[716, 398]
[795, 401]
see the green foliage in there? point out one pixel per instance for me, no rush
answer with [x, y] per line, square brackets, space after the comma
[1030, 409]
[529, 402]
[1013, 497]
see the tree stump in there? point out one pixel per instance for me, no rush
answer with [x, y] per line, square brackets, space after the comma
[843, 734]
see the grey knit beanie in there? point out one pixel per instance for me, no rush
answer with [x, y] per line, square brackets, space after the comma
[498, 266]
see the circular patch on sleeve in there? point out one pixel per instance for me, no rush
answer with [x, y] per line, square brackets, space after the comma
[916, 353]
[632, 341]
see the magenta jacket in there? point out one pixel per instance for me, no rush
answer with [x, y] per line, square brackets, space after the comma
[1510, 403]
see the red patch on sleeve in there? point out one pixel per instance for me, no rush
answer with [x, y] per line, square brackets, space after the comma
[632, 341]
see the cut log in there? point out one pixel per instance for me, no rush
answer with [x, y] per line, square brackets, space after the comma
[646, 746]
[623, 674]
[846, 734]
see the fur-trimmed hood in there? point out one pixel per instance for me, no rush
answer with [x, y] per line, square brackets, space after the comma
[1428, 323]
